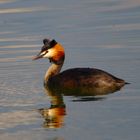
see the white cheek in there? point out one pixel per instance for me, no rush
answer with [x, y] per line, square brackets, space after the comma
[49, 54]
[42, 53]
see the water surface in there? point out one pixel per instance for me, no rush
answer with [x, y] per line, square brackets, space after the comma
[95, 33]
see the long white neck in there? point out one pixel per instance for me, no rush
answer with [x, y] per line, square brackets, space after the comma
[53, 70]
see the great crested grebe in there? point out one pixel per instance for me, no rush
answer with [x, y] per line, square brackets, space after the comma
[86, 80]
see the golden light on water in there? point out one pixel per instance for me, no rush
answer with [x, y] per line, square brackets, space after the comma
[7, 1]
[22, 10]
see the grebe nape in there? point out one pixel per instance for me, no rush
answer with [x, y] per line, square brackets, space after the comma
[86, 80]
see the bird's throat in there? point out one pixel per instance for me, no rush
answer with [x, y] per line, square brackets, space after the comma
[53, 70]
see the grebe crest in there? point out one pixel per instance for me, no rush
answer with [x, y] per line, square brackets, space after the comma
[83, 80]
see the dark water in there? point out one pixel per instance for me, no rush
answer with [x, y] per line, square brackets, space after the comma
[95, 33]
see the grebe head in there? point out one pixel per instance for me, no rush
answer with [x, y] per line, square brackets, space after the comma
[51, 50]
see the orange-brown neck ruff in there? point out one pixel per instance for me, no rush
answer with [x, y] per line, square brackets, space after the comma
[58, 54]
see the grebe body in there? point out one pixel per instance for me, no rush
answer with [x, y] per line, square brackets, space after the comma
[82, 80]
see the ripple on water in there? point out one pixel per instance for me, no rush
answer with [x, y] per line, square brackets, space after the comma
[16, 119]
[23, 10]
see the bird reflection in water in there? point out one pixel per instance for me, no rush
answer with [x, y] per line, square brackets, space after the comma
[55, 114]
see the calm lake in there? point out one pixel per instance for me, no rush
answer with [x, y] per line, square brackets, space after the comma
[104, 34]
